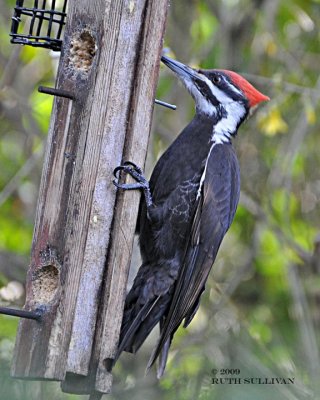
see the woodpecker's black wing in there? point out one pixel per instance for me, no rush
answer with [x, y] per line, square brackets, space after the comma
[214, 212]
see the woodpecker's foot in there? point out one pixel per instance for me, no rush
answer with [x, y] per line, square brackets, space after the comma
[136, 173]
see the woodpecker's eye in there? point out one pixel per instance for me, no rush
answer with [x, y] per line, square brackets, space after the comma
[216, 79]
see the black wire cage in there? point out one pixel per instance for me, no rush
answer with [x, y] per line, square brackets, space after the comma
[40, 24]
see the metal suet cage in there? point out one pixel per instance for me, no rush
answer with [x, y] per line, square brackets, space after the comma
[40, 25]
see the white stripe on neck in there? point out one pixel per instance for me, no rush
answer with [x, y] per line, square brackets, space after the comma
[223, 131]
[227, 126]
[203, 176]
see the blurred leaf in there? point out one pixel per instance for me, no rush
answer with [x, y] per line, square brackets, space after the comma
[273, 123]
[8, 326]
[283, 204]
[303, 233]
[272, 261]
[271, 46]
[15, 234]
[310, 113]
[260, 332]
[28, 53]
[204, 26]
[41, 105]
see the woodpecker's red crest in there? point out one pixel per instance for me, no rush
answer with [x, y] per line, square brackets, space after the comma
[252, 94]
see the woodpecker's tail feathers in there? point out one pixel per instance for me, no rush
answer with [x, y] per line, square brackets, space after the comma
[136, 326]
[162, 356]
[128, 332]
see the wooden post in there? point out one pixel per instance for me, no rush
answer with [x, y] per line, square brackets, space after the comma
[109, 63]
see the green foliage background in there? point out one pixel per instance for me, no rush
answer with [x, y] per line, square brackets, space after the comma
[260, 312]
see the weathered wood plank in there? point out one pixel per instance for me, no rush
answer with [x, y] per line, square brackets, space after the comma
[112, 126]
[124, 223]
[119, 254]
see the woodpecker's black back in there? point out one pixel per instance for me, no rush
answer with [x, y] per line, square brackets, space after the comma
[195, 190]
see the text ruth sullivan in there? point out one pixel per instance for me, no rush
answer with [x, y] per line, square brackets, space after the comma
[252, 381]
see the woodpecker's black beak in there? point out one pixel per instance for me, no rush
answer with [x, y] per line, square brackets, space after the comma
[182, 70]
[196, 83]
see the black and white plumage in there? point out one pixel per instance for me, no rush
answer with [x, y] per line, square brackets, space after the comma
[190, 204]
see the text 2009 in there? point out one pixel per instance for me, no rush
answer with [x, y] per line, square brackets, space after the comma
[226, 371]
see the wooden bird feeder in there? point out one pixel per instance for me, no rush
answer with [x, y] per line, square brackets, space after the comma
[84, 228]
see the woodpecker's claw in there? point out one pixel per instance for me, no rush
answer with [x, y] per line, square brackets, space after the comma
[132, 169]
[127, 164]
[136, 173]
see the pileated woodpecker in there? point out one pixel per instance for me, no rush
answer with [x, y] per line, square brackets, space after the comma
[187, 209]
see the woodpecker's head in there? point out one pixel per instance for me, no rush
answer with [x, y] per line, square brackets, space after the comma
[222, 95]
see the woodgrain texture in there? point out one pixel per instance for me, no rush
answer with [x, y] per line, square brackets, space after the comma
[108, 121]
[120, 249]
